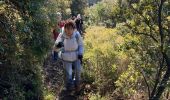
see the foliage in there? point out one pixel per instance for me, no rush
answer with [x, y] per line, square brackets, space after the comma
[78, 6]
[97, 97]
[104, 61]
[49, 95]
[104, 12]
[143, 25]
[130, 59]
[153, 46]
[24, 36]
[110, 62]
[63, 6]
[92, 2]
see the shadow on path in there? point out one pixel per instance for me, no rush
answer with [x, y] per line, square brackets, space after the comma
[53, 74]
[64, 95]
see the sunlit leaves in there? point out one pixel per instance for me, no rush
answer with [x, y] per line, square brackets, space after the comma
[128, 80]
[101, 51]
[103, 13]
[24, 42]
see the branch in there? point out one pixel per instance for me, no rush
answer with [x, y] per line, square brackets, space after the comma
[157, 80]
[167, 29]
[157, 94]
[145, 79]
[160, 23]
[143, 74]
[149, 36]
[142, 33]
[146, 20]
[167, 59]
[164, 81]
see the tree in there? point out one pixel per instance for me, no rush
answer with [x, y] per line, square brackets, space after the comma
[105, 12]
[156, 30]
[64, 8]
[78, 6]
[148, 54]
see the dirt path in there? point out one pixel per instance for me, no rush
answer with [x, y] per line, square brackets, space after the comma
[53, 72]
[54, 80]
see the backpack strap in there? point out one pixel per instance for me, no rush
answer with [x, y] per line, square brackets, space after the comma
[62, 38]
[77, 37]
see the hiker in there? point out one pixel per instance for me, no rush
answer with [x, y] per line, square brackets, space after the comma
[56, 31]
[56, 28]
[71, 50]
[79, 24]
[73, 18]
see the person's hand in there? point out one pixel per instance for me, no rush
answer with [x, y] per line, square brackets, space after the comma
[54, 48]
[59, 45]
[80, 57]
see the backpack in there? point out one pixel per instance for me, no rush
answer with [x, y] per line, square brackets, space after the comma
[76, 36]
[55, 34]
[69, 56]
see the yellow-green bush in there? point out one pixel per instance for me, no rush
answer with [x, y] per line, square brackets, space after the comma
[109, 62]
[105, 61]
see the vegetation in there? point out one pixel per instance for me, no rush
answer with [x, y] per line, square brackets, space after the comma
[25, 40]
[127, 48]
[78, 6]
[144, 26]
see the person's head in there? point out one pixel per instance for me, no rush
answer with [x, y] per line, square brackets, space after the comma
[78, 16]
[62, 23]
[73, 17]
[59, 16]
[69, 27]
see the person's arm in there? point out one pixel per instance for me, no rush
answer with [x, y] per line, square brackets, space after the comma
[52, 33]
[82, 21]
[80, 45]
[80, 48]
[75, 20]
[58, 42]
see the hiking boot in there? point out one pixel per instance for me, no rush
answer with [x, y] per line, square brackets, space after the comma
[78, 88]
[70, 88]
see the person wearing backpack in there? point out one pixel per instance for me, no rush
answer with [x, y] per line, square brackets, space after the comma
[71, 51]
[56, 31]
[57, 27]
[79, 24]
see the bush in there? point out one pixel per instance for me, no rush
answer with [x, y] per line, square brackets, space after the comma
[24, 37]
[103, 57]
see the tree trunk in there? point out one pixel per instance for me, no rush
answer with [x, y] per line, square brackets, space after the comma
[156, 94]
[164, 81]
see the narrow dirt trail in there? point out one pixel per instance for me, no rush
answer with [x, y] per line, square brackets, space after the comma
[53, 74]
[54, 80]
